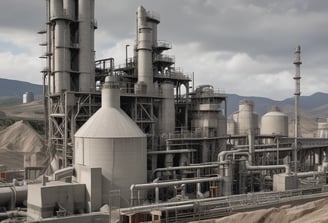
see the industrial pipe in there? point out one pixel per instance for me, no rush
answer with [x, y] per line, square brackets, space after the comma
[307, 174]
[184, 168]
[170, 183]
[222, 155]
[268, 167]
[13, 196]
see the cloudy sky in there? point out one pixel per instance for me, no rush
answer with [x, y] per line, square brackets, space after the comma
[240, 46]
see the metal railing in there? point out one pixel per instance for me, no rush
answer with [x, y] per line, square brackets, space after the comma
[222, 206]
[164, 58]
[164, 44]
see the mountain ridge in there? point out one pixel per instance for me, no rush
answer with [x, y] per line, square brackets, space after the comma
[315, 105]
[16, 88]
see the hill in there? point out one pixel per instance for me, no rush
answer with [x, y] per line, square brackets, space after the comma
[14, 88]
[314, 106]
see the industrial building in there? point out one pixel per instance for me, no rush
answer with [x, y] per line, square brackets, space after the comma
[142, 145]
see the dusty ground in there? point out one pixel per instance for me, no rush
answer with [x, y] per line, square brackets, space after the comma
[312, 212]
[19, 144]
[33, 110]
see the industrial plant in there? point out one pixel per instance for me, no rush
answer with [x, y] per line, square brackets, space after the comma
[137, 142]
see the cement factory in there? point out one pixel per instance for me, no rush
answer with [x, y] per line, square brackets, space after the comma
[136, 142]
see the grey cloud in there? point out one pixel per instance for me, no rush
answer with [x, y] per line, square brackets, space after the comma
[267, 31]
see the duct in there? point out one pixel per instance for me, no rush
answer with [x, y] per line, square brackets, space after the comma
[134, 187]
[251, 147]
[240, 154]
[307, 174]
[199, 194]
[222, 155]
[268, 167]
[184, 168]
[13, 196]
[168, 205]
[172, 151]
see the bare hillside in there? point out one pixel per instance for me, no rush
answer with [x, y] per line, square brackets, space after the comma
[33, 111]
[311, 212]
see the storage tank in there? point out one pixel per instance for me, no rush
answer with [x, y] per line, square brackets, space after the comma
[246, 117]
[231, 126]
[274, 123]
[112, 141]
[28, 97]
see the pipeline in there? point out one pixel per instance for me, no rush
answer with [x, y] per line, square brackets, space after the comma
[223, 155]
[13, 196]
[185, 168]
[268, 167]
[156, 185]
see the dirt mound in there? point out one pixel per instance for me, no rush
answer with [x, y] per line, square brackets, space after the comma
[21, 145]
[311, 212]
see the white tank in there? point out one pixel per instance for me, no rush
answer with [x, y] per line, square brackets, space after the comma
[28, 97]
[231, 127]
[246, 118]
[144, 48]
[112, 141]
[274, 123]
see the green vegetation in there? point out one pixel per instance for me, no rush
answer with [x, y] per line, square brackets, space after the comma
[9, 101]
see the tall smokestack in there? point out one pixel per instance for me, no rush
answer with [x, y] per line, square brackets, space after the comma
[297, 94]
[144, 49]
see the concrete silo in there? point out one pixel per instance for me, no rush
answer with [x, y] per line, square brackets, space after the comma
[112, 141]
[274, 122]
[247, 119]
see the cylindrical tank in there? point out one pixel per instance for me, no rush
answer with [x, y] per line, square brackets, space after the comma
[112, 141]
[167, 113]
[231, 125]
[323, 129]
[69, 7]
[28, 97]
[62, 56]
[144, 48]
[86, 53]
[56, 8]
[274, 123]
[13, 197]
[245, 117]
